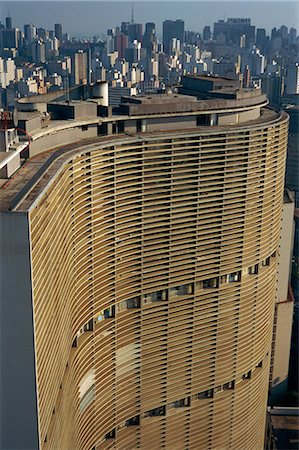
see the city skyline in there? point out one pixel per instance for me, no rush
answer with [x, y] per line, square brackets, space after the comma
[103, 15]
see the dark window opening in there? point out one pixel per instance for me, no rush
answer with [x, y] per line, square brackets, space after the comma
[246, 376]
[180, 403]
[253, 270]
[174, 290]
[121, 126]
[203, 119]
[103, 129]
[155, 412]
[260, 364]
[133, 421]
[138, 125]
[114, 128]
[133, 303]
[229, 385]
[159, 296]
[206, 394]
[110, 435]
[109, 312]
[234, 276]
[74, 344]
[25, 152]
[266, 262]
[186, 289]
[211, 283]
[88, 326]
[84, 127]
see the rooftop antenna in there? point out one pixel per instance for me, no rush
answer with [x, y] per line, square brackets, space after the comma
[132, 13]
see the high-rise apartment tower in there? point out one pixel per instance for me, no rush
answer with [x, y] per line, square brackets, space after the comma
[139, 274]
[173, 29]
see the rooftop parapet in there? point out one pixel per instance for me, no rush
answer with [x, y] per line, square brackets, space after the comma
[222, 99]
[206, 86]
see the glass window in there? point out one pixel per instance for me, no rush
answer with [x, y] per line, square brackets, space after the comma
[211, 283]
[160, 411]
[234, 276]
[88, 326]
[180, 403]
[133, 421]
[110, 435]
[247, 375]
[229, 385]
[109, 312]
[206, 394]
[133, 303]
[253, 270]
[185, 289]
[266, 262]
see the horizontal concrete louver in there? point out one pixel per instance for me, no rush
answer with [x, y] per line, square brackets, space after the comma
[161, 224]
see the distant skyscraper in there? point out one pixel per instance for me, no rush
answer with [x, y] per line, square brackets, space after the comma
[38, 51]
[172, 29]
[275, 33]
[8, 22]
[58, 31]
[284, 32]
[79, 67]
[260, 36]
[272, 86]
[246, 77]
[134, 53]
[257, 63]
[149, 37]
[206, 33]
[135, 32]
[233, 29]
[41, 33]
[120, 43]
[292, 36]
[110, 41]
[193, 38]
[124, 27]
[29, 32]
[9, 38]
[292, 79]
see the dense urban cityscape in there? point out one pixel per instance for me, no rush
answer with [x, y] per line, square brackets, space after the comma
[149, 212]
[131, 58]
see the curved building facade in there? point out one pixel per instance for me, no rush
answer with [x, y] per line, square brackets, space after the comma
[152, 261]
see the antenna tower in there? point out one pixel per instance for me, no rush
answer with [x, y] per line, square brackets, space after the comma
[132, 13]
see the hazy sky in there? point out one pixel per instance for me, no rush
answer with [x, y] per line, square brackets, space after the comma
[85, 18]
